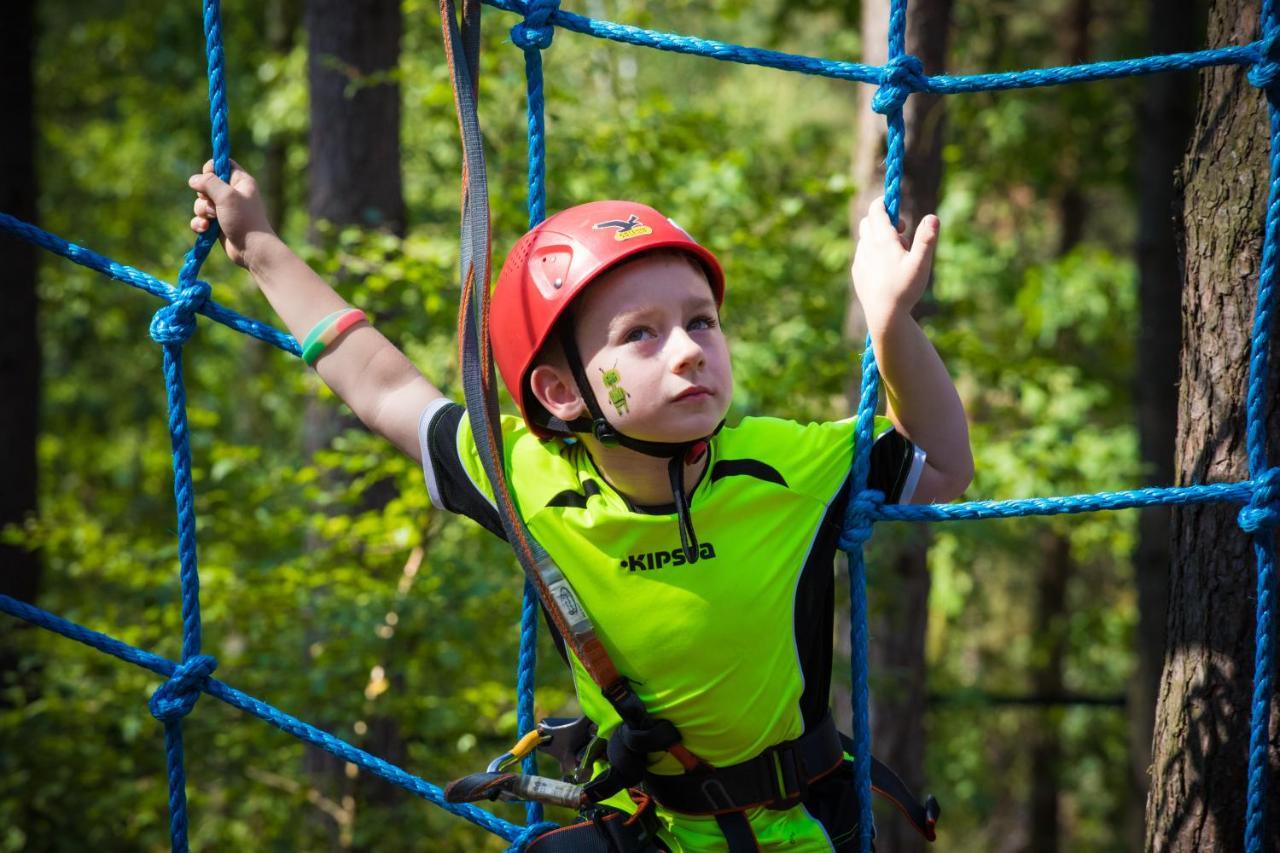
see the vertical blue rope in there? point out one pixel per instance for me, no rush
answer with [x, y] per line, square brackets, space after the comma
[889, 100]
[860, 525]
[525, 688]
[534, 34]
[172, 326]
[897, 132]
[537, 138]
[1260, 517]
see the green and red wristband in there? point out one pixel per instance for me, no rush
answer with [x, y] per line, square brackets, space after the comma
[326, 332]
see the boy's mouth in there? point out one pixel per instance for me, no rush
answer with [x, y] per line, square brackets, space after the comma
[694, 392]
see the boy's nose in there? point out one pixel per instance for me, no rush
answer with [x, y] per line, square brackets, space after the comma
[686, 352]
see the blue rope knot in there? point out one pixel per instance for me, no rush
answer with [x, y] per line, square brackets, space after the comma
[859, 518]
[530, 833]
[536, 31]
[1265, 72]
[176, 322]
[901, 76]
[1263, 511]
[175, 698]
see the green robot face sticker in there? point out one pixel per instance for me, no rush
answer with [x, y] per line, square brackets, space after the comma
[617, 394]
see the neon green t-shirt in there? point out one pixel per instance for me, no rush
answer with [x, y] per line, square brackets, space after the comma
[735, 649]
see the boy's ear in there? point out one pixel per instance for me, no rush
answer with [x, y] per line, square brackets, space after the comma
[555, 389]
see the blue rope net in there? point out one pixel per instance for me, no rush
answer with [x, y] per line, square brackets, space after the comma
[900, 77]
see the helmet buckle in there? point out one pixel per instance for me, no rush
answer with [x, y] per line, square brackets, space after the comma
[604, 432]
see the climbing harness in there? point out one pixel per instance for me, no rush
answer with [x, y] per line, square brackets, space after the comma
[778, 778]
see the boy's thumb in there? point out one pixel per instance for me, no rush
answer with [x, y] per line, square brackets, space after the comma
[212, 186]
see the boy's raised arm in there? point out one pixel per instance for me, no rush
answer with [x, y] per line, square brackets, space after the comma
[362, 367]
[890, 278]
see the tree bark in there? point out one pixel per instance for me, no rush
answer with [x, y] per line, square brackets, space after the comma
[1056, 569]
[354, 49]
[20, 568]
[899, 615]
[1198, 781]
[353, 54]
[1165, 119]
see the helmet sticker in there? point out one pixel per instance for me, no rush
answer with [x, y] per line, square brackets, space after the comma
[628, 228]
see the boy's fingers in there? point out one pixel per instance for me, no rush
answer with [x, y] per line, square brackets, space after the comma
[199, 224]
[202, 207]
[212, 186]
[238, 172]
[879, 218]
[926, 239]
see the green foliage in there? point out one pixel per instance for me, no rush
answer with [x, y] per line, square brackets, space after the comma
[347, 616]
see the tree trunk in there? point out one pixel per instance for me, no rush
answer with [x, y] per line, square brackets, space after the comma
[1050, 637]
[20, 568]
[900, 610]
[1198, 781]
[1165, 119]
[353, 52]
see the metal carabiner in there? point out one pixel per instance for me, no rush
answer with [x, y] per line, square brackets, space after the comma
[523, 747]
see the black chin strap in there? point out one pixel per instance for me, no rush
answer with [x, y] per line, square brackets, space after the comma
[679, 453]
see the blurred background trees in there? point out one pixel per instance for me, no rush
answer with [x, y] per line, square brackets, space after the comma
[333, 590]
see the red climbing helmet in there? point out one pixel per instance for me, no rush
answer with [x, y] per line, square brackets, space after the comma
[552, 264]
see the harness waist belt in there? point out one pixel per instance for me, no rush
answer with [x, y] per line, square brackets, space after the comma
[776, 778]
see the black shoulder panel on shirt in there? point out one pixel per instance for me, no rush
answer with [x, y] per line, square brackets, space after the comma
[747, 468]
[891, 458]
[456, 489]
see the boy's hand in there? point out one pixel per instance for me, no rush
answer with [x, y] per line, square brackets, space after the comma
[237, 207]
[888, 275]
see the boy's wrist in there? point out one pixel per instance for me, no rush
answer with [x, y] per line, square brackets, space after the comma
[262, 250]
[883, 320]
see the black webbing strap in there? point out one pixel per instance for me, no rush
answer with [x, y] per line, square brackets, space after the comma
[479, 388]
[606, 830]
[779, 777]
[923, 816]
[462, 47]
[737, 833]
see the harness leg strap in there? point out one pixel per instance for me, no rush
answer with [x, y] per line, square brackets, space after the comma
[738, 833]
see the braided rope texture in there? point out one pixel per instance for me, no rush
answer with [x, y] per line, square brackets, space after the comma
[900, 77]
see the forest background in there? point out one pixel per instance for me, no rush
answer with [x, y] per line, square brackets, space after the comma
[394, 625]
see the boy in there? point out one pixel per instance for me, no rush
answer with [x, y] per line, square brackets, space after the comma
[703, 554]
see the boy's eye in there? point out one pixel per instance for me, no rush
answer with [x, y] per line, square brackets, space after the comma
[704, 322]
[633, 335]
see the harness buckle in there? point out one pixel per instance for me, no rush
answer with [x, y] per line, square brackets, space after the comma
[717, 795]
[790, 781]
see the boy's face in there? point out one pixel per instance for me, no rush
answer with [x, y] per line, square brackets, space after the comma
[653, 349]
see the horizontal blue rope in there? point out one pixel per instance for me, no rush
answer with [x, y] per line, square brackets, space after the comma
[954, 84]
[263, 711]
[1239, 493]
[692, 45]
[862, 73]
[144, 281]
